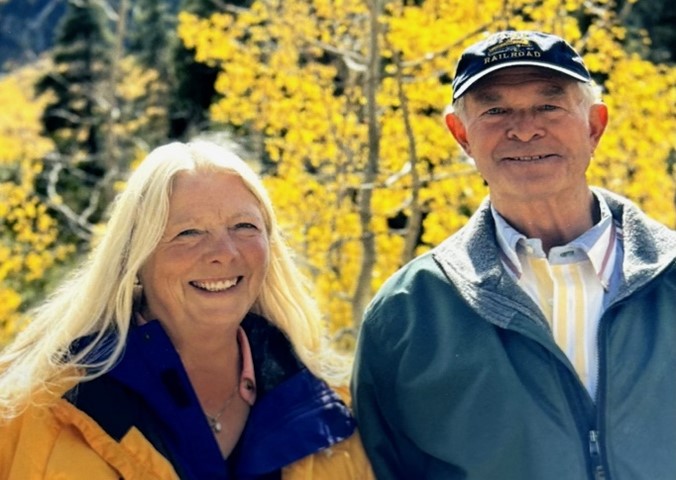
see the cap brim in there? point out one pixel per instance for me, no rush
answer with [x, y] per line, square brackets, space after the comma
[521, 63]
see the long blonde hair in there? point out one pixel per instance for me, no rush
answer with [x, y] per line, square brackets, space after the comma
[98, 298]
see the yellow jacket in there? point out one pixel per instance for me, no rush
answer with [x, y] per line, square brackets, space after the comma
[114, 426]
[60, 442]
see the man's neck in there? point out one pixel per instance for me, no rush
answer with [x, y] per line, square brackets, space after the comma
[554, 221]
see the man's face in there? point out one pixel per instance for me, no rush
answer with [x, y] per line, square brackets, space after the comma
[530, 132]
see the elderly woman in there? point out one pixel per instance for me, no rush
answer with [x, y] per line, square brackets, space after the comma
[186, 347]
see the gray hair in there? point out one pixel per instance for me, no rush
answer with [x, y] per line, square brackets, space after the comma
[590, 91]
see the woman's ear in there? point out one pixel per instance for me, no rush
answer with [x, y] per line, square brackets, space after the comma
[457, 129]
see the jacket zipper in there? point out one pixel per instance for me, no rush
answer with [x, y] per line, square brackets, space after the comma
[594, 447]
[595, 450]
[595, 453]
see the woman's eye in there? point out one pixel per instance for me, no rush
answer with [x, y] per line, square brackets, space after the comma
[246, 226]
[190, 232]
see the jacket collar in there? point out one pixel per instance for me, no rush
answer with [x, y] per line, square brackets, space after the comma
[470, 258]
[295, 414]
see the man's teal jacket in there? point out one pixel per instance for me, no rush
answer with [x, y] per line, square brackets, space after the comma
[457, 374]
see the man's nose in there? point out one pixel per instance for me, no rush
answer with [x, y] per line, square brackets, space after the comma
[525, 126]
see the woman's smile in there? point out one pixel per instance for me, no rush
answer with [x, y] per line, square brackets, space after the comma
[216, 285]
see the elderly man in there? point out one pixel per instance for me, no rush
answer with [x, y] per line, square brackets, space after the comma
[539, 341]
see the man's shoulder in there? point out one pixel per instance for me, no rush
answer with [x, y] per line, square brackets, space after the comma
[640, 231]
[418, 282]
[417, 270]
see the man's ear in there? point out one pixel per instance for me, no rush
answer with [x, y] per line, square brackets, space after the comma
[598, 119]
[457, 128]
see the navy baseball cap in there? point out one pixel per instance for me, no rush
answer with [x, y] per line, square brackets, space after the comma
[516, 48]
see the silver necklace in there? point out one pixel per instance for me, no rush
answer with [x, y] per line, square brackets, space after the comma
[214, 420]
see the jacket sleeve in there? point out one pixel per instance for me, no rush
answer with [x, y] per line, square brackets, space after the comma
[374, 391]
[10, 435]
[58, 441]
[36, 445]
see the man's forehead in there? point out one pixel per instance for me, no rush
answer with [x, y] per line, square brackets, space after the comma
[515, 76]
[550, 84]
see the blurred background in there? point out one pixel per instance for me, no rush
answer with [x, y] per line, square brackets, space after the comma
[337, 103]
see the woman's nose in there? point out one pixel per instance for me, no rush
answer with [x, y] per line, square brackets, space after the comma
[222, 247]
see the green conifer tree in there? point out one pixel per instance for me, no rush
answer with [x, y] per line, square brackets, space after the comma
[81, 58]
[152, 34]
[194, 89]
[77, 118]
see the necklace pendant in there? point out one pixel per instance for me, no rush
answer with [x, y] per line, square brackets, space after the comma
[216, 426]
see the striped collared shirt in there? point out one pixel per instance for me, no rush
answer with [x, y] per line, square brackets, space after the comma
[570, 285]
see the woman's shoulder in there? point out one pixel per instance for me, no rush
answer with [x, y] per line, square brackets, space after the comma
[57, 440]
[32, 440]
[343, 391]
[345, 460]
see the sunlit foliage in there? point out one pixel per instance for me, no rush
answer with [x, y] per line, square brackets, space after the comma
[297, 78]
[340, 102]
[29, 243]
[34, 245]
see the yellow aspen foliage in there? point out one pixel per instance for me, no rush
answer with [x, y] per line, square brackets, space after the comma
[347, 100]
[10, 301]
[140, 114]
[29, 244]
[633, 155]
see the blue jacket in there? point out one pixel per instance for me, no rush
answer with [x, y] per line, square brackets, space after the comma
[458, 376]
[142, 421]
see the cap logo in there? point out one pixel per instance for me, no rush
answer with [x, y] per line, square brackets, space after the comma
[512, 48]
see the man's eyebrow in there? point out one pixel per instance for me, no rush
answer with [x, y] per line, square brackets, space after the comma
[488, 95]
[553, 91]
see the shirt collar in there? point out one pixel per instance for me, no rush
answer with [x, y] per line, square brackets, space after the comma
[598, 244]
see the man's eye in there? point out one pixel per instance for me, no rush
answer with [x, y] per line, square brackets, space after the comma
[548, 108]
[495, 111]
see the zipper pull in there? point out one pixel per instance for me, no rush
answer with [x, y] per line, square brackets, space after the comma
[595, 452]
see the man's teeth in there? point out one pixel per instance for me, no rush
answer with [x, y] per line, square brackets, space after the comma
[530, 158]
[218, 286]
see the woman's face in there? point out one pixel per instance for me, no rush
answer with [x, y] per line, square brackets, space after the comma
[211, 261]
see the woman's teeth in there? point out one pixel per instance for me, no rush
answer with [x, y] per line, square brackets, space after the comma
[218, 286]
